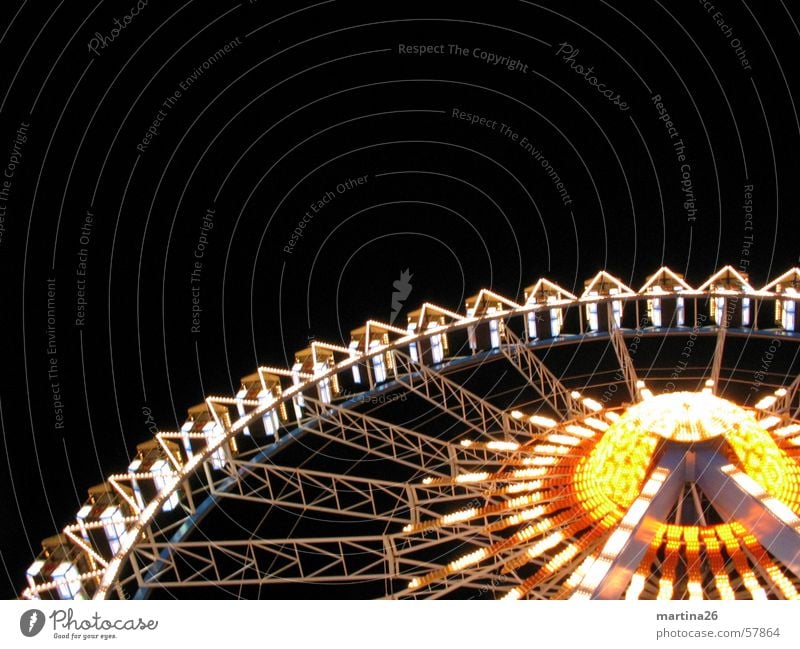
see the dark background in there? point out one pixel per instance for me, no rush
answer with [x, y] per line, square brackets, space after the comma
[316, 94]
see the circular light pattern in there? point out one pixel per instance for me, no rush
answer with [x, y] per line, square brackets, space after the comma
[686, 416]
[575, 501]
[595, 477]
[617, 466]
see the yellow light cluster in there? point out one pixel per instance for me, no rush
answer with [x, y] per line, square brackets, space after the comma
[566, 440]
[781, 581]
[763, 559]
[666, 583]
[472, 477]
[484, 476]
[590, 480]
[695, 541]
[578, 574]
[544, 422]
[528, 473]
[547, 543]
[686, 416]
[512, 595]
[765, 462]
[490, 446]
[530, 531]
[533, 485]
[552, 449]
[593, 405]
[560, 559]
[695, 577]
[540, 460]
[616, 468]
[769, 422]
[454, 566]
[636, 586]
[469, 559]
[580, 431]
[717, 563]
[502, 446]
[787, 431]
[597, 424]
[516, 519]
[456, 517]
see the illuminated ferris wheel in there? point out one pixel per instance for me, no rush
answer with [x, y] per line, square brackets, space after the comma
[617, 444]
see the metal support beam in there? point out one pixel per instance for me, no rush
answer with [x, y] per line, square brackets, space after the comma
[342, 496]
[719, 351]
[541, 379]
[788, 403]
[335, 560]
[484, 578]
[472, 410]
[379, 438]
[623, 562]
[775, 526]
[625, 362]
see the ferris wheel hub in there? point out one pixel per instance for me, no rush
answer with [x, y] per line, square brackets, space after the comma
[686, 416]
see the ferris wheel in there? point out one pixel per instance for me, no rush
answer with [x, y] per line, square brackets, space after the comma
[620, 443]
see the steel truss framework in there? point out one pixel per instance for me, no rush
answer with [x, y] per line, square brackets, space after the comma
[421, 517]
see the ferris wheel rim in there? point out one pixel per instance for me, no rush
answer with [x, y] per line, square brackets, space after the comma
[155, 506]
[451, 364]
